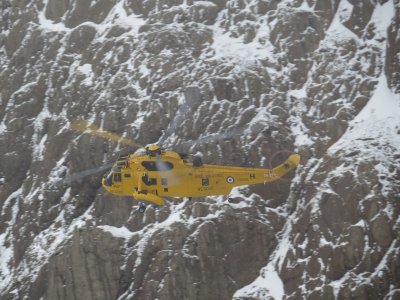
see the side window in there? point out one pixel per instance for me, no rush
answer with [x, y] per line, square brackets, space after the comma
[149, 181]
[117, 177]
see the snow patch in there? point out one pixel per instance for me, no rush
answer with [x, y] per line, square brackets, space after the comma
[306, 7]
[337, 30]
[40, 148]
[299, 129]
[87, 71]
[6, 247]
[49, 25]
[118, 232]
[382, 17]
[267, 284]
[6, 256]
[226, 46]
[117, 15]
[379, 120]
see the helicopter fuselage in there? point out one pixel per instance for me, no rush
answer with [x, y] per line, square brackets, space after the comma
[151, 177]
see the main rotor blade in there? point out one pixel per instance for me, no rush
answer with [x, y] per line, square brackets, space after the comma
[192, 99]
[173, 125]
[84, 127]
[216, 137]
[83, 174]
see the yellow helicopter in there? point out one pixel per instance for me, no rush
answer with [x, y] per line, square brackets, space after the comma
[153, 173]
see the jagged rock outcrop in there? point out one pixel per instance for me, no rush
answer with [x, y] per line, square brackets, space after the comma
[393, 49]
[272, 76]
[87, 267]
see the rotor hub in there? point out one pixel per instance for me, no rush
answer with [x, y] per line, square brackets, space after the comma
[153, 150]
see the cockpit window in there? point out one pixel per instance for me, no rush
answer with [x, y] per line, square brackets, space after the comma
[113, 176]
[108, 179]
[157, 165]
[122, 163]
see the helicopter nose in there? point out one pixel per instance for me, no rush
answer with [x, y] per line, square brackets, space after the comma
[103, 183]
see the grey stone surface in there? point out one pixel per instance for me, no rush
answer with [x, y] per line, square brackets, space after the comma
[158, 69]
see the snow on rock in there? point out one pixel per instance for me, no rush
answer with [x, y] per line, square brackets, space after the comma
[379, 120]
[268, 284]
[337, 29]
[121, 232]
[243, 83]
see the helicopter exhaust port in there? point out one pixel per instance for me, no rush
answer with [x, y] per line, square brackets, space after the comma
[197, 161]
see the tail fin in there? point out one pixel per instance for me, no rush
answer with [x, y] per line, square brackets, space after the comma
[292, 162]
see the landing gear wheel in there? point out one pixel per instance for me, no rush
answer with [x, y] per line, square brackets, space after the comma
[142, 208]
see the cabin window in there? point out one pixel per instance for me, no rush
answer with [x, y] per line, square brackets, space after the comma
[158, 165]
[149, 181]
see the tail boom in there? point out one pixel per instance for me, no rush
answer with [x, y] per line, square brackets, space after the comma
[248, 176]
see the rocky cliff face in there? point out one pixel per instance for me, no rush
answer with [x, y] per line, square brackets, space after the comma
[318, 77]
